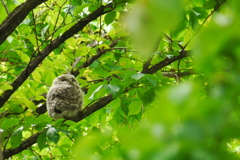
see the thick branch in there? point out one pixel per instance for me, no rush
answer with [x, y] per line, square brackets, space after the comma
[16, 17]
[164, 63]
[102, 102]
[54, 44]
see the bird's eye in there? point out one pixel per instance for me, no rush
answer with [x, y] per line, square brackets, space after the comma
[64, 79]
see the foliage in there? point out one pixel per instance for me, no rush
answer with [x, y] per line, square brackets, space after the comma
[160, 78]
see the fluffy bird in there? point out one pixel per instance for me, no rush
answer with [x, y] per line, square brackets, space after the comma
[64, 98]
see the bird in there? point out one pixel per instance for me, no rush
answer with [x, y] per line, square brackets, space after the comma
[64, 98]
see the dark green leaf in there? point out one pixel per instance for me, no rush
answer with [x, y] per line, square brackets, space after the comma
[200, 12]
[124, 107]
[52, 135]
[110, 17]
[210, 4]
[149, 96]
[193, 19]
[41, 141]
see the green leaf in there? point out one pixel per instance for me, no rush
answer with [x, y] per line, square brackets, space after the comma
[32, 38]
[59, 122]
[80, 8]
[29, 103]
[50, 76]
[135, 107]
[16, 137]
[200, 12]
[193, 20]
[199, 2]
[148, 97]
[120, 91]
[23, 56]
[71, 43]
[112, 88]
[152, 79]
[124, 109]
[8, 123]
[52, 135]
[65, 131]
[64, 151]
[173, 53]
[92, 96]
[41, 141]
[36, 76]
[92, 7]
[3, 13]
[137, 76]
[110, 17]
[210, 4]
[54, 18]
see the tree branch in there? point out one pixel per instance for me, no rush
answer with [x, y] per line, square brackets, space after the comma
[174, 74]
[165, 62]
[24, 145]
[16, 17]
[54, 44]
[102, 102]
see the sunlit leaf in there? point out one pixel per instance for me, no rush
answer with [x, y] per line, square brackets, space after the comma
[54, 18]
[36, 76]
[49, 77]
[8, 123]
[23, 56]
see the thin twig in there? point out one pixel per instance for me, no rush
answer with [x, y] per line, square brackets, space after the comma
[5, 6]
